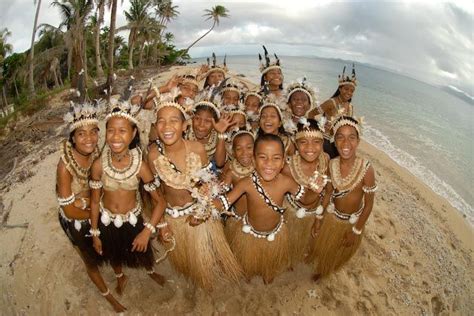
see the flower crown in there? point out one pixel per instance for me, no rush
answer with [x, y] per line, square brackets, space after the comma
[205, 98]
[303, 86]
[349, 121]
[123, 109]
[82, 115]
[343, 79]
[169, 100]
[307, 132]
[222, 68]
[267, 65]
[241, 132]
[252, 93]
[232, 85]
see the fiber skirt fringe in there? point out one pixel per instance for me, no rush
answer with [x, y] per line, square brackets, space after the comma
[117, 245]
[79, 240]
[202, 253]
[258, 256]
[232, 225]
[328, 253]
[299, 233]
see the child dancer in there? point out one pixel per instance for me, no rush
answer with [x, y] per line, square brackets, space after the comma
[262, 245]
[272, 76]
[77, 155]
[201, 253]
[208, 127]
[339, 104]
[252, 102]
[121, 236]
[339, 234]
[239, 167]
[271, 122]
[308, 162]
[300, 99]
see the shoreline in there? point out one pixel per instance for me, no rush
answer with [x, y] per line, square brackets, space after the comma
[454, 217]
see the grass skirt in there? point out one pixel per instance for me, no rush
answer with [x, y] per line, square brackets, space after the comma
[299, 233]
[258, 256]
[117, 245]
[202, 253]
[79, 240]
[328, 253]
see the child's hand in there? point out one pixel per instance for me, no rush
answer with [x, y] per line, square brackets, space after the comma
[140, 243]
[316, 228]
[166, 234]
[193, 221]
[223, 124]
[97, 243]
[349, 239]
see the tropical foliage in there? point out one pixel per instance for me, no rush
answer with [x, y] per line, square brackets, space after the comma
[82, 43]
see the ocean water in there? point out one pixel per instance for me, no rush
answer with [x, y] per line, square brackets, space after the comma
[423, 128]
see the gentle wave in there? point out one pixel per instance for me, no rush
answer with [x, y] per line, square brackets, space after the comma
[404, 159]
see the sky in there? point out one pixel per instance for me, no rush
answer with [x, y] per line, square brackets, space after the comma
[429, 40]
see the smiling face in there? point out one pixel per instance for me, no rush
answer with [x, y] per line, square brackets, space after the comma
[270, 120]
[214, 78]
[346, 92]
[299, 103]
[230, 98]
[239, 120]
[274, 77]
[169, 125]
[309, 148]
[188, 90]
[347, 140]
[119, 134]
[243, 149]
[202, 123]
[252, 104]
[85, 139]
[269, 159]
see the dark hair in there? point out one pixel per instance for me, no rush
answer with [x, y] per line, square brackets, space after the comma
[203, 107]
[136, 140]
[268, 138]
[71, 135]
[337, 93]
[313, 125]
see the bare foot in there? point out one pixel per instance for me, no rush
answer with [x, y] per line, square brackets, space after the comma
[118, 308]
[316, 277]
[158, 278]
[121, 283]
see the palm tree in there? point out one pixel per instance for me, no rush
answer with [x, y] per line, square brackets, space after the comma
[98, 22]
[214, 14]
[110, 55]
[74, 14]
[138, 19]
[31, 56]
[5, 48]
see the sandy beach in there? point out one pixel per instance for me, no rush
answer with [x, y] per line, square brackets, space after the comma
[416, 256]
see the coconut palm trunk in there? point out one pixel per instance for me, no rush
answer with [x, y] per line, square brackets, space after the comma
[100, 20]
[113, 17]
[31, 56]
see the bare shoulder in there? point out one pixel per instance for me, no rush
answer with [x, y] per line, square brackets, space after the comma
[61, 169]
[369, 177]
[286, 170]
